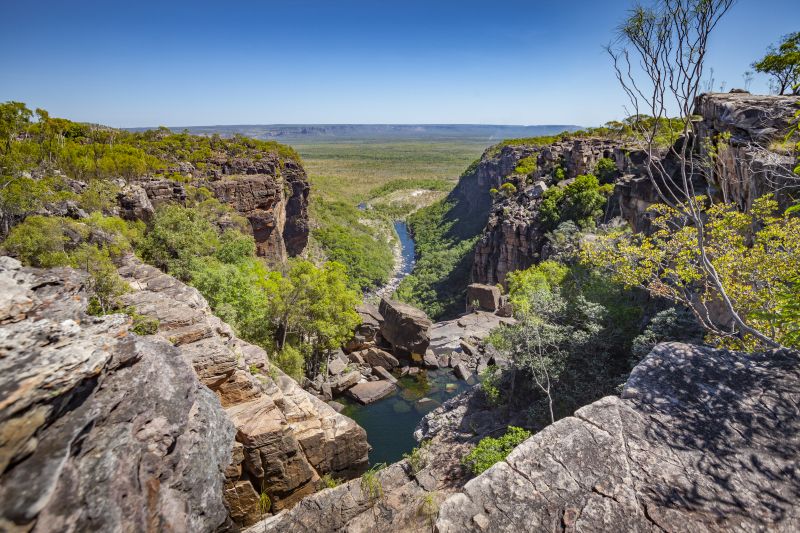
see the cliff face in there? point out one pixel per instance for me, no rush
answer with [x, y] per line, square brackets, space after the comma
[271, 192]
[736, 128]
[100, 430]
[513, 238]
[740, 127]
[285, 437]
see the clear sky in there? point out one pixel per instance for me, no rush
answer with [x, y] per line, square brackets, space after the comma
[180, 63]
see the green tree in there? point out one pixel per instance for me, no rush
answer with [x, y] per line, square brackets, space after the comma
[754, 257]
[178, 237]
[581, 201]
[783, 65]
[14, 118]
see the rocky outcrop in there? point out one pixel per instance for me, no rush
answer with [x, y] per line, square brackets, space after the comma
[514, 238]
[100, 430]
[700, 440]
[286, 438]
[741, 127]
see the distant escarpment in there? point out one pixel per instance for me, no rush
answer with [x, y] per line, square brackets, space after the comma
[737, 129]
[187, 429]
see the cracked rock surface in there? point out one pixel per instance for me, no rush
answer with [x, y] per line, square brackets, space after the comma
[100, 430]
[700, 440]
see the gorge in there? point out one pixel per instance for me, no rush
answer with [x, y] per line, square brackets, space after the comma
[359, 328]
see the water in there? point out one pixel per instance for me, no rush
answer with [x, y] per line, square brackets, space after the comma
[404, 262]
[390, 422]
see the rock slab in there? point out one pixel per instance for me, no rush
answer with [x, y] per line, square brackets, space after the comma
[701, 440]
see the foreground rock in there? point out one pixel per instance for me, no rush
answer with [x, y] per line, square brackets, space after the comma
[405, 327]
[100, 430]
[701, 440]
[288, 437]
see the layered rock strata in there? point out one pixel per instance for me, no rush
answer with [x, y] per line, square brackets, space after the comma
[285, 437]
[700, 440]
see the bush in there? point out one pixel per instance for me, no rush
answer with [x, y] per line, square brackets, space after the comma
[291, 361]
[492, 450]
[508, 189]
[606, 170]
[582, 202]
[491, 379]
[177, 238]
[526, 165]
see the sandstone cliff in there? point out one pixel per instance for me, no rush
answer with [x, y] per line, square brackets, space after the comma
[738, 128]
[285, 437]
[101, 429]
[700, 440]
[271, 192]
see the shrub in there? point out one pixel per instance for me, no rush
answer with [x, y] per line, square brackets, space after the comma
[370, 483]
[490, 384]
[418, 458]
[526, 165]
[330, 482]
[582, 201]
[606, 170]
[492, 450]
[143, 324]
[508, 189]
[291, 361]
[179, 236]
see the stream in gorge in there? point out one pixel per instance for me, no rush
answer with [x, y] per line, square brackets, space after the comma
[390, 422]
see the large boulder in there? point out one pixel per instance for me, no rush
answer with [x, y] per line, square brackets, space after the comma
[371, 391]
[483, 297]
[101, 430]
[366, 333]
[405, 327]
[701, 440]
[376, 357]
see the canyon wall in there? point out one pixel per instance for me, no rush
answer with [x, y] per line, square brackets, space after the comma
[737, 130]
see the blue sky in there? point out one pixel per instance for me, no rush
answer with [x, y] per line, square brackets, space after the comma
[181, 63]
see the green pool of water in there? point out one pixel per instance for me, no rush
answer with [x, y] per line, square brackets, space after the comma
[390, 422]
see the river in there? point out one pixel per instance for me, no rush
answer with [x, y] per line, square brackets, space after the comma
[390, 422]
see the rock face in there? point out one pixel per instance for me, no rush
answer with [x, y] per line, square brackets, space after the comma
[405, 327]
[287, 437]
[271, 192]
[701, 440]
[487, 297]
[273, 195]
[741, 127]
[100, 430]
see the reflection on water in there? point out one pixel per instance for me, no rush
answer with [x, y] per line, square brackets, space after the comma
[390, 422]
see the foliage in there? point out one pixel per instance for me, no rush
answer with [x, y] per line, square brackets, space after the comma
[526, 165]
[581, 201]
[783, 64]
[330, 482]
[754, 254]
[368, 260]
[492, 450]
[508, 189]
[490, 385]
[291, 361]
[429, 507]
[670, 324]
[143, 324]
[418, 458]
[606, 170]
[370, 483]
[177, 237]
